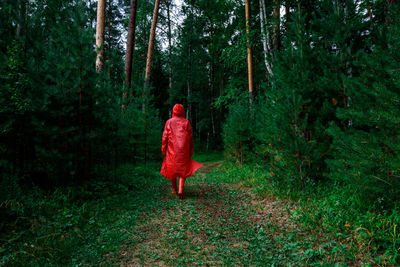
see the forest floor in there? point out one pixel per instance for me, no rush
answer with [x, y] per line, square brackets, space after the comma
[132, 219]
[225, 224]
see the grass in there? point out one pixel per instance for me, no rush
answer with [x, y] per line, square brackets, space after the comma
[327, 212]
[231, 216]
[74, 226]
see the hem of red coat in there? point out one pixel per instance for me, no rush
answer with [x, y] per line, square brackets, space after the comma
[196, 168]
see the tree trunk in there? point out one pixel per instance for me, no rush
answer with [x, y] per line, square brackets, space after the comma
[150, 49]
[264, 38]
[109, 40]
[130, 46]
[276, 27]
[101, 6]
[369, 11]
[249, 50]
[287, 14]
[169, 48]
[21, 17]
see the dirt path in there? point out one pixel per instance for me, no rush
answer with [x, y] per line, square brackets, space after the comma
[222, 224]
[215, 224]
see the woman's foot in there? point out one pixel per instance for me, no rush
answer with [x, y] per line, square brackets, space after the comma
[181, 196]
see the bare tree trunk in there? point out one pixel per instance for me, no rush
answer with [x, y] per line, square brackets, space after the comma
[101, 8]
[130, 46]
[249, 51]
[369, 11]
[276, 27]
[150, 50]
[189, 68]
[169, 47]
[151, 43]
[264, 37]
[109, 39]
[20, 17]
[287, 14]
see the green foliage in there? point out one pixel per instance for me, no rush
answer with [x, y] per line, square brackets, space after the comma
[366, 140]
[327, 213]
[330, 110]
[139, 132]
[86, 224]
[238, 131]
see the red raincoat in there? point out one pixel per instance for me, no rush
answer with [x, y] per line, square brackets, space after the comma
[177, 146]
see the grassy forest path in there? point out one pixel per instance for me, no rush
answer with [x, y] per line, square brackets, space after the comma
[220, 224]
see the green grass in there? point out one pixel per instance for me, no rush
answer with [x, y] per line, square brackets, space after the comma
[232, 215]
[327, 211]
[78, 225]
[213, 156]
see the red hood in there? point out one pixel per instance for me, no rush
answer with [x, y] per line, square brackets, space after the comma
[178, 111]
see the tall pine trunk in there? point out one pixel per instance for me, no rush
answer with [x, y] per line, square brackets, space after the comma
[169, 48]
[249, 51]
[276, 27]
[264, 38]
[150, 50]
[287, 14]
[109, 40]
[101, 7]
[130, 46]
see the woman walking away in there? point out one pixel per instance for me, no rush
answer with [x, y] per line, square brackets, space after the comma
[177, 146]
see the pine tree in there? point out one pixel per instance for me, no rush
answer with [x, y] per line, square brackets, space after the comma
[366, 151]
[101, 7]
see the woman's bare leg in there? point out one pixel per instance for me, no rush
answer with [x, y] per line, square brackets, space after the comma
[174, 186]
[181, 185]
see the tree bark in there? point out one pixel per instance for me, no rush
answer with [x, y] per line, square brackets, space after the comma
[21, 17]
[109, 40]
[369, 11]
[150, 49]
[130, 46]
[276, 27]
[101, 7]
[249, 50]
[169, 48]
[287, 14]
[264, 38]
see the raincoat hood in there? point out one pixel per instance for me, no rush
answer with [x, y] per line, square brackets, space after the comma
[178, 111]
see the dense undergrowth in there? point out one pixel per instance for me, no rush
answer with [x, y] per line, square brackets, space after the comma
[326, 209]
[76, 225]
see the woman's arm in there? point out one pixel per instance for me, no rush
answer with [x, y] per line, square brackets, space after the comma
[165, 139]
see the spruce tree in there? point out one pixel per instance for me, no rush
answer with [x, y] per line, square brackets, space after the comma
[365, 143]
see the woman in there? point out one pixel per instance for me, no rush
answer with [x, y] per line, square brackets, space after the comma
[177, 146]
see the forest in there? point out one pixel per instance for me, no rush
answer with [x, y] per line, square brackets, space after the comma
[295, 112]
